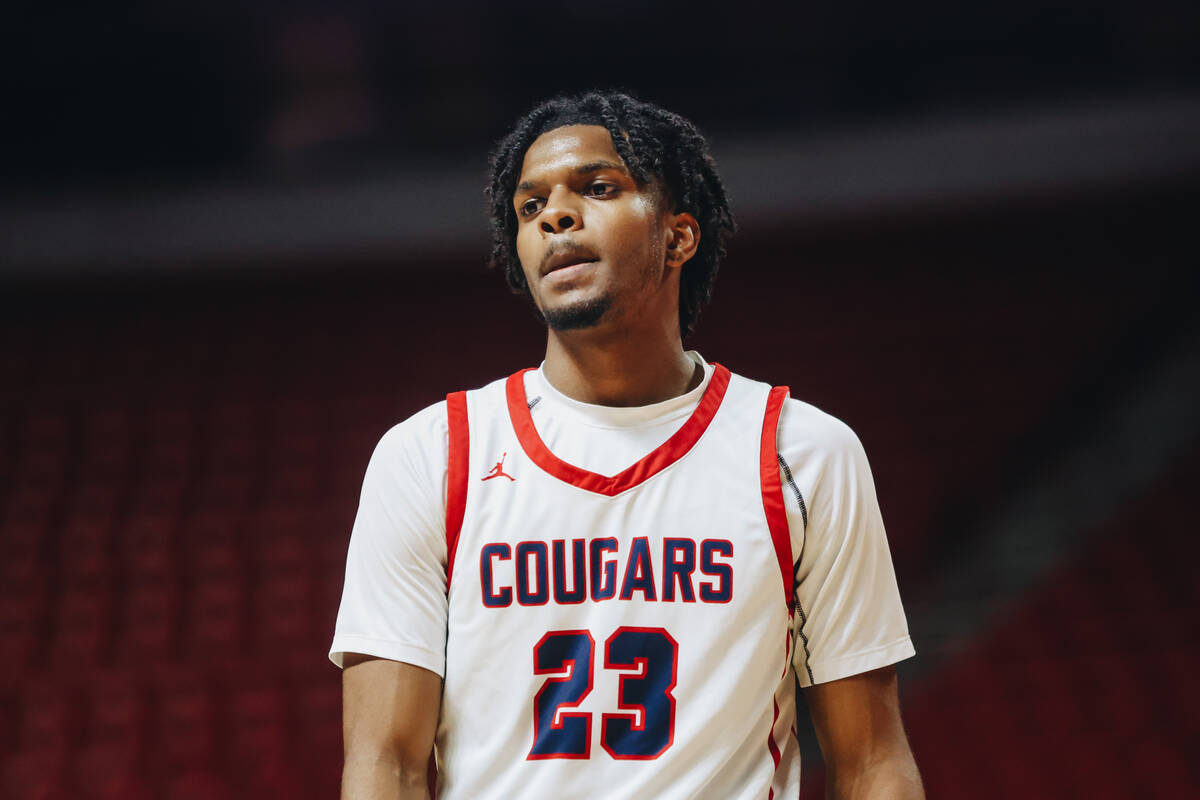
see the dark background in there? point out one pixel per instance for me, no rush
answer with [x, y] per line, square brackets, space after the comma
[238, 242]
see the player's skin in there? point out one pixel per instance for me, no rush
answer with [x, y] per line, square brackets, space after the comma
[588, 233]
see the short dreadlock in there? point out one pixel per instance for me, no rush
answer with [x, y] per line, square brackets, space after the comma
[655, 144]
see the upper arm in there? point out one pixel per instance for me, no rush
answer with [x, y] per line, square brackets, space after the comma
[394, 602]
[850, 616]
[857, 720]
[391, 625]
[389, 714]
[851, 623]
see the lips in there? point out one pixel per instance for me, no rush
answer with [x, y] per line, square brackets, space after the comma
[569, 257]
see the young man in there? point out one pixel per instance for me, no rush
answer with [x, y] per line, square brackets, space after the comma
[606, 576]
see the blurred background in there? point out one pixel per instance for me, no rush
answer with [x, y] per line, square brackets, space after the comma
[240, 241]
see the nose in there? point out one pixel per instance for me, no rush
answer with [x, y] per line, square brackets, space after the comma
[560, 214]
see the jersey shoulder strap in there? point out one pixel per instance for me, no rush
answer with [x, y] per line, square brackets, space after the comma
[772, 491]
[458, 458]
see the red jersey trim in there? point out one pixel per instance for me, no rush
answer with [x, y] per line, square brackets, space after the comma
[774, 748]
[656, 461]
[457, 464]
[772, 491]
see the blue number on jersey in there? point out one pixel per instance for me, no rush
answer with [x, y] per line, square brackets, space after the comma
[647, 726]
[558, 652]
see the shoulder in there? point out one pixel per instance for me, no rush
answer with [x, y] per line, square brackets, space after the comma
[424, 435]
[821, 451]
[428, 423]
[804, 428]
[806, 431]
[420, 438]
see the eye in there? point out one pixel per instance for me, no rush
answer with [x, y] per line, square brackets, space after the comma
[600, 189]
[530, 207]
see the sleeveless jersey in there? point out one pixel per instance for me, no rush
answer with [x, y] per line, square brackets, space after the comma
[624, 636]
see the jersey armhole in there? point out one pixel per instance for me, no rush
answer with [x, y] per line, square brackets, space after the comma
[772, 492]
[458, 453]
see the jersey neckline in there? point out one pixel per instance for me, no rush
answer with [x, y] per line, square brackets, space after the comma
[654, 462]
[673, 411]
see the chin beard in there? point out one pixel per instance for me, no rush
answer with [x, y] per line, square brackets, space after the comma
[578, 316]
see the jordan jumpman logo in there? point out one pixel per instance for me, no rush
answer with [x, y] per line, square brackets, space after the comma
[498, 470]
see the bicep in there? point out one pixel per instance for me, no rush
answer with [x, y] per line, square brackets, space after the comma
[857, 719]
[390, 711]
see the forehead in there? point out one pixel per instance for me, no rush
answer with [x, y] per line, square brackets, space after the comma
[568, 147]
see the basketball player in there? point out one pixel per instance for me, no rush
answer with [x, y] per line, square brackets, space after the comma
[605, 577]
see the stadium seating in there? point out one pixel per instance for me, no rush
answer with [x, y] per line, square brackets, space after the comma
[1085, 689]
[180, 477]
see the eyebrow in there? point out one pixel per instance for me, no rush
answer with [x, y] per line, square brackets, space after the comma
[582, 169]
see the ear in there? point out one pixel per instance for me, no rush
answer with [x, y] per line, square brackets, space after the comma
[684, 238]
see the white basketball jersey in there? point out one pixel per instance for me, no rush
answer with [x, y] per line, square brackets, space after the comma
[624, 636]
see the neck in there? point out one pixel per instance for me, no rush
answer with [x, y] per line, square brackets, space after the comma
[620, 368]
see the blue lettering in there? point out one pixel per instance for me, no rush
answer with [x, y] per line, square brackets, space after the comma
[492, 598]
[639, 572]
[678, 570]
[604, 584]
[526, 596]
[578, 592]
[722, 590]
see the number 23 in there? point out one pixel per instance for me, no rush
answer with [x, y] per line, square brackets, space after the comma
[643, 728]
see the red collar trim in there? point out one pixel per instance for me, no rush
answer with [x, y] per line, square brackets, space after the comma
[657, 460]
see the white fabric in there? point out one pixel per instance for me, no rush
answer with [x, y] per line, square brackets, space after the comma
[719, 635]
[394, 600]
[606, 439]
[395, 605]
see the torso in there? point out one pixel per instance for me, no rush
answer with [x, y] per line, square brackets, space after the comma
[617, 636]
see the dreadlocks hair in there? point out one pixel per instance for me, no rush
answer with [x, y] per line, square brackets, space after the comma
[655, 144]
